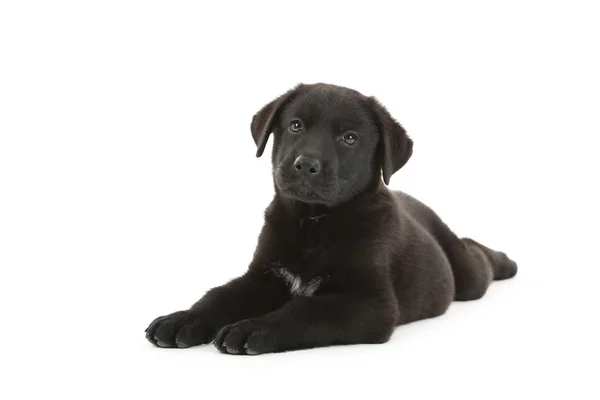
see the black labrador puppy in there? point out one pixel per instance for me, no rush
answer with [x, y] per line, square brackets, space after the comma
[340, 259]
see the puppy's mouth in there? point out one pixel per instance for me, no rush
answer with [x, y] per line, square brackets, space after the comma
[304, 189]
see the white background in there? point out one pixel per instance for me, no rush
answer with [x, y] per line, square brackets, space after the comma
[119, 202]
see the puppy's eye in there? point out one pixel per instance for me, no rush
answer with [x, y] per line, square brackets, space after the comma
[295, 126]
[350, 138]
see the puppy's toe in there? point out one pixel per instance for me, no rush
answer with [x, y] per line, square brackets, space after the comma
[249, 337]
[182, 345]
[249, 351]
[181, 330]
[193, 334]
[160, 343]
[232, 350]
[218, 342]
[261, 341]
[231, 339]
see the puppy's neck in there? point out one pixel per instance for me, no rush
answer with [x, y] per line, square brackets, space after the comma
[300, 210]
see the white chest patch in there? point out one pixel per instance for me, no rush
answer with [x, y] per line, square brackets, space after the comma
[297, 288]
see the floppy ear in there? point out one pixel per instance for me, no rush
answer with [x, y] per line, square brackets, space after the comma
[263, 121]
[395, 145]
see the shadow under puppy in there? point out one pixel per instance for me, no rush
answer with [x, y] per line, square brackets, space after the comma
[340, 259]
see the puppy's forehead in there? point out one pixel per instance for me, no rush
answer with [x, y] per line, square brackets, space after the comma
[329, 104]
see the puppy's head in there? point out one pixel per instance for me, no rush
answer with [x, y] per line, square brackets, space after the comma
[330, 143]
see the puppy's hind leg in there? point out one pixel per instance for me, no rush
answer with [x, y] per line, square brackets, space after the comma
[474, 267]
[471, 268]
[502, 266]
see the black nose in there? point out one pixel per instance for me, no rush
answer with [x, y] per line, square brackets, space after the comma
[307, 165]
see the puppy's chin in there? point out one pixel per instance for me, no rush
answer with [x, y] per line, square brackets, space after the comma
[304, 194]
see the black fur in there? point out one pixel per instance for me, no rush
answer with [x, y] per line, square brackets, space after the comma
[377, 258]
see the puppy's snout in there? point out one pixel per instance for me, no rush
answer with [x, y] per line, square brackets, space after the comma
[307, 165]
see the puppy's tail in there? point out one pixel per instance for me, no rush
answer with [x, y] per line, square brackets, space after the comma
[502, 266]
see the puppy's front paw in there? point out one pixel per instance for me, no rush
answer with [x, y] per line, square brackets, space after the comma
[181, 329]
[250, 336]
